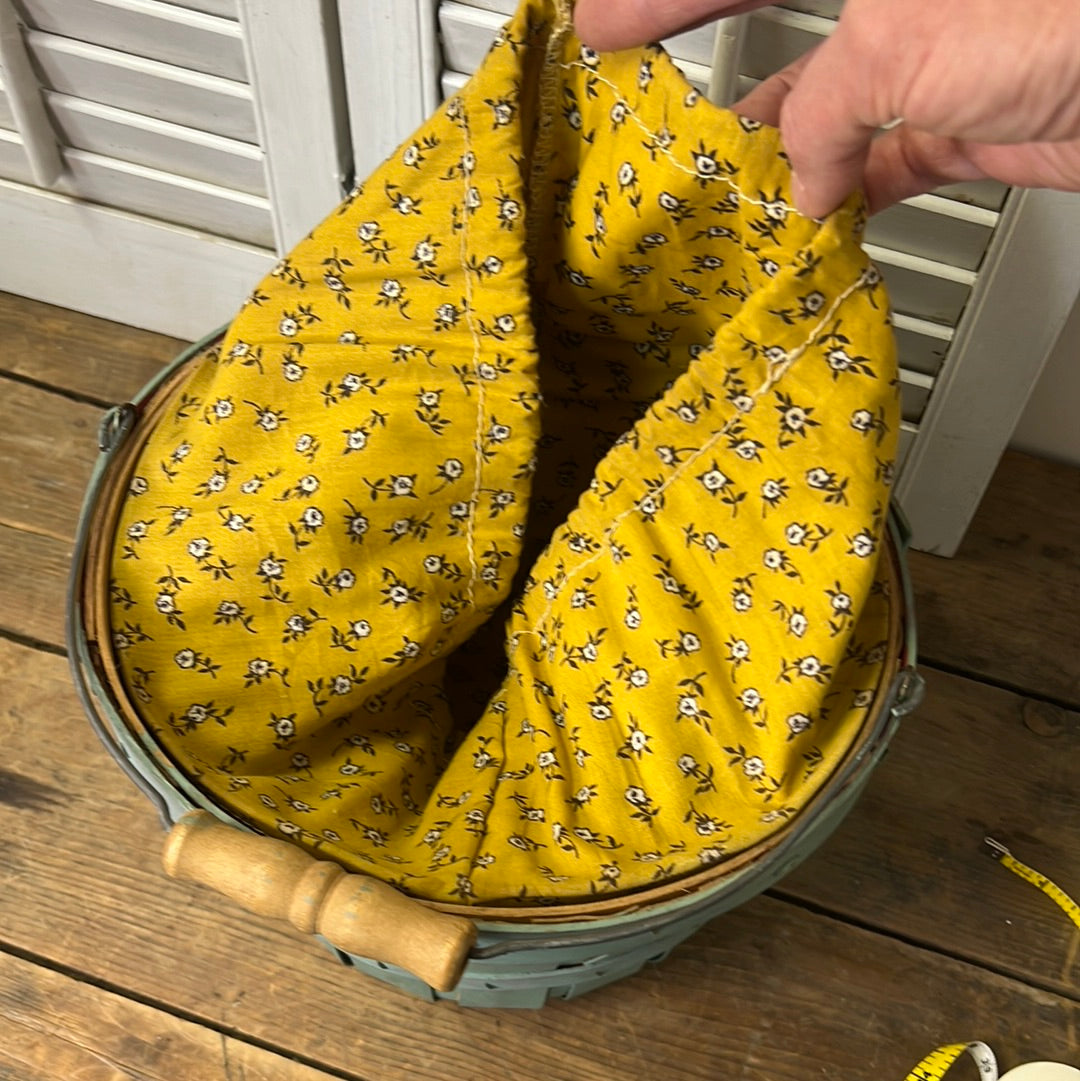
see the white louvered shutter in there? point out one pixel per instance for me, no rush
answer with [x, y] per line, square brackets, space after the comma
[197, 138]
[982, 278]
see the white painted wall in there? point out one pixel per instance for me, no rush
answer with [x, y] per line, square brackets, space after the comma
[1050, 425]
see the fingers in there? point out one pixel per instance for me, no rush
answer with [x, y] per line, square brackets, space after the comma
[828, 159]
[831, 104]
[813, 100]
[765, 101]
[903, 163]
[619, 24]
[828, 121]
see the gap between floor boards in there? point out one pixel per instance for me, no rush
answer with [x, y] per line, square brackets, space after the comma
[225, 1031]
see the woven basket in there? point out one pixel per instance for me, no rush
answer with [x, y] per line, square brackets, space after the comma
[522, 956]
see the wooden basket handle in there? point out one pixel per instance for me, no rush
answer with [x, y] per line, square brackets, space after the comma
[357, 914]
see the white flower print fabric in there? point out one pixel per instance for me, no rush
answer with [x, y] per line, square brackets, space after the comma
[520, 541]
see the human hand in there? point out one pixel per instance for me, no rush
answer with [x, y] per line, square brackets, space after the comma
[985, 89]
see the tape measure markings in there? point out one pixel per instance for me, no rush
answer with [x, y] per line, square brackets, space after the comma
[1039, 881]
[940, 1061]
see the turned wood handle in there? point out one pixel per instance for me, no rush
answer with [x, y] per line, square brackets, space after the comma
[358, 914]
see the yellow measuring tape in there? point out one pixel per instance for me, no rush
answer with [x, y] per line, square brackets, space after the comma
[938, 1063]
[1039, 881]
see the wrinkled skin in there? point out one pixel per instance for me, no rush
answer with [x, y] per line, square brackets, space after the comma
[985, 89]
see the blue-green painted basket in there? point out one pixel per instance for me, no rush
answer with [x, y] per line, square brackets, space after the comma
[516, 962]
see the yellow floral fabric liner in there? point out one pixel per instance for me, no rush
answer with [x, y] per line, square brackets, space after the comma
[519, 542]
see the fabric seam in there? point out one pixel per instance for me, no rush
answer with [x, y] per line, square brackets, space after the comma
[481, 397]
[777, 370]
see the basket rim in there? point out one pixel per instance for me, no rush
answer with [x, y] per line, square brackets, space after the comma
[110, 712]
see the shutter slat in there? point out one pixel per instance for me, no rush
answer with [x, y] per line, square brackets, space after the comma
[150, 87]
[918, 353]
[150, 28]
[156, 194]
[226, 9]
[918, 380]
[921, 295]
[919, 264]
[922, 345]
[452, 82]
[914, 398]
[985, 193]
[505, 8]
[467, 33]
[936, 331]
[928, 248]
[117, 133]
[122, 266]
[774, 38]
[830, 9]
[908, 434]
[910, 228]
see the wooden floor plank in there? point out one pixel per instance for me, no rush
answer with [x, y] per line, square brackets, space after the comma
[55, 1028]
[33, 583]
[991, 611]
[972, 761]
[1007, 607]
[48, 445]
[103, 360]
[772, 990]
[944, 781]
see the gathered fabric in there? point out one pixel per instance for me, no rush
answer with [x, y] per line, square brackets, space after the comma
[519, 542]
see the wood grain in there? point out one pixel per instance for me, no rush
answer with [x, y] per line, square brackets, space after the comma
[1013, 588]
[33, 582]
[973, 761]
[357, 914]
[103, 360]
[772, 990]
[1007, 607]
[54, 1028]
[48, 445]
[898, 935]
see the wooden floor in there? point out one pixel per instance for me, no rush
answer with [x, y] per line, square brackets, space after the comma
[899, 935]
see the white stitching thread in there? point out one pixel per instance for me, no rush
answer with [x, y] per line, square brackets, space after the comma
[655, 137]
[777, 370]
[481, 399]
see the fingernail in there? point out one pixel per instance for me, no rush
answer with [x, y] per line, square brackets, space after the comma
[798, 192]
[804, 205]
